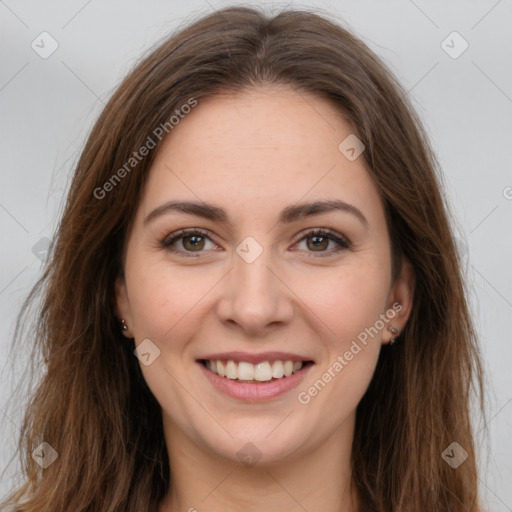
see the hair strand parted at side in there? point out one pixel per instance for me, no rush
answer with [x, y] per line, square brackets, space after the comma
[101, 417]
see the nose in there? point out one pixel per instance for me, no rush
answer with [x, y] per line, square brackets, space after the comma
[255, 296]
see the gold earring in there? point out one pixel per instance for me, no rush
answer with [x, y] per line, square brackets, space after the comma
[394, 331]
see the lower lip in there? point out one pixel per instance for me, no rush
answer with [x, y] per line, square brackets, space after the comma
[255, 392]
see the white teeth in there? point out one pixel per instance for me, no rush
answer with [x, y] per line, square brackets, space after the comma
[277, 369]
[246, 371]
[231, 370]
[261, 372]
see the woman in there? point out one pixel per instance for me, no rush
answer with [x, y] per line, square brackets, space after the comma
[201, 354]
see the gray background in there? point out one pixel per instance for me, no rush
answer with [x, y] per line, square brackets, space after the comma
[47, 107]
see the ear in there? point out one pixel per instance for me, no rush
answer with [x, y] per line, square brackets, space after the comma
[400, 300]
[122, 306]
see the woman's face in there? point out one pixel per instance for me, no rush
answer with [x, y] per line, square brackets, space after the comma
[257, 285]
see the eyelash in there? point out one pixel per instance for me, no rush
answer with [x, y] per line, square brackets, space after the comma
[321, 232]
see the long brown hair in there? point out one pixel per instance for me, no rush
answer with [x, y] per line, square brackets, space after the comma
[92, 404]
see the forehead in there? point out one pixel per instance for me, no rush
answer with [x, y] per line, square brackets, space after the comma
[266, 146]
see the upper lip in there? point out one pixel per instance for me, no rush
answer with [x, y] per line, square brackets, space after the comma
[255, 358]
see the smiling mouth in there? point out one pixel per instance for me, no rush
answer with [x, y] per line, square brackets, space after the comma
[263, 372]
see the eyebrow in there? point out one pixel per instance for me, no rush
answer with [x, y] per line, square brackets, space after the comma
[288, 215]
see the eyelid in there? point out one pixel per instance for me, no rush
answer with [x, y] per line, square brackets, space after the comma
[181, 233]
[342, 241]
[327, 232]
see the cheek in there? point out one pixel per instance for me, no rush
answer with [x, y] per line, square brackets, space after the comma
[350, 308]
[165, 299]
[346, 300]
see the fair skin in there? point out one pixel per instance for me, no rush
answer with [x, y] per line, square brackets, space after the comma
[254, 154]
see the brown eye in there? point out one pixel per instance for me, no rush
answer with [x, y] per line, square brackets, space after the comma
[193, 242]
[318, 242]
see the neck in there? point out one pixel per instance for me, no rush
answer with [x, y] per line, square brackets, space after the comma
[317, 480]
